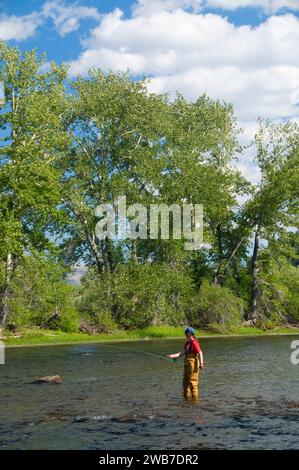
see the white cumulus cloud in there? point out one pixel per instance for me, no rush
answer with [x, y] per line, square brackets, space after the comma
[67, 17]
[150, 7]
[256, 68]
[185, 50]
[182, 48]
[269, 6]
[264, 92]
[19, 27]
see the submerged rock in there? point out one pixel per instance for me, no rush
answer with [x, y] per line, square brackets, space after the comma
[49, 379]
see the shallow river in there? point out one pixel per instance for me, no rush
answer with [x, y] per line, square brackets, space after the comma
[128, 396]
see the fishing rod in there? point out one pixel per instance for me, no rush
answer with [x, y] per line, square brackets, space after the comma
[149, 354]
[137, 350]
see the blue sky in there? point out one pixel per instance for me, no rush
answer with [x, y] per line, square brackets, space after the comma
[241, 51]
[65, 48]
[46, 37]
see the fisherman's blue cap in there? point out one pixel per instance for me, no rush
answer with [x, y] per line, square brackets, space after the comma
[190, 330]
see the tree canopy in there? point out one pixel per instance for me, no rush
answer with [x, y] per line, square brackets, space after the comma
[68, 146]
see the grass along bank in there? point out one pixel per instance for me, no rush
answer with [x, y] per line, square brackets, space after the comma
[39, 337]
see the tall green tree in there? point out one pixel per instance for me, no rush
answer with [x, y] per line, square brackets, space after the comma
[119, 147]
[33, 140]
[273, 210]
[204, 146]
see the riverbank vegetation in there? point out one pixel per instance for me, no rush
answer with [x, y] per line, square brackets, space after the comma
[68, 146]
[44, 337]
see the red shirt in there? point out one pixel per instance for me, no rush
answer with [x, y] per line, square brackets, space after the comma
[192, 346]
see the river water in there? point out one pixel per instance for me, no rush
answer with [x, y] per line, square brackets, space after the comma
[125, 396]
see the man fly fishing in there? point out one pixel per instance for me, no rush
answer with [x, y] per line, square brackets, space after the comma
[193, 362]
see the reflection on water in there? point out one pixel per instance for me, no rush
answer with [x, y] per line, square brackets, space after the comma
[127, 396]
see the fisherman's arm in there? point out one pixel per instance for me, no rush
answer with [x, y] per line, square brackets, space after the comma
[176, 355]
[200, 359]
[199, 354]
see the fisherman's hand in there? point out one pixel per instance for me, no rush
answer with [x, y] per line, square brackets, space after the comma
[172, 356]
[201, 366]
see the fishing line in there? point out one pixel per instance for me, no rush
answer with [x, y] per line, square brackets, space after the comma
[176, 372]
[149, 354]
[136, 350]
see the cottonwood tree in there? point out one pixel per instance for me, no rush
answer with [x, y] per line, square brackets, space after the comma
[204, 145]
[274, 207]
[118, 131]
[32, 141]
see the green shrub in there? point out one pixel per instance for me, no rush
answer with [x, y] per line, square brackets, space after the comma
[68, 321]
[292, 295]
[215, 305]
[279, 299]
[137, 296]
[104, 320]
[38, 290]
[20, 315]
[218, 328]
[268, 324]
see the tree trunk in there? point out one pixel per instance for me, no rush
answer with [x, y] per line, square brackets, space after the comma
[222, 271]
[219, 241]
[4, 305]
[133, 244]
[253, 313]
[109, 255]
[104, 257]
[134, 251]
[98, 260]
[91, 240]
[218, 279]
